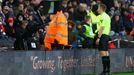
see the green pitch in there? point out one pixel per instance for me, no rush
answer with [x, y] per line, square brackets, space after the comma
[129, 73]
[123, 73]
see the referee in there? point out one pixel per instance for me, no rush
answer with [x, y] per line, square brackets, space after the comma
[103, 37]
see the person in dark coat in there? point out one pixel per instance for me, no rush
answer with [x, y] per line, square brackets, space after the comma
[19, 32]
[18, 20]
[117, 25]
[80, 13]
[7, 13]
[72, 34]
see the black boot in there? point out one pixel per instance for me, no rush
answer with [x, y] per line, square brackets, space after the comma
[106, 65]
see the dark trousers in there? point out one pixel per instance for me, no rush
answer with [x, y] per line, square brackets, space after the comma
[87, 43]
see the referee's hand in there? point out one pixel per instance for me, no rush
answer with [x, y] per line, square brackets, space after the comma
[97, 41]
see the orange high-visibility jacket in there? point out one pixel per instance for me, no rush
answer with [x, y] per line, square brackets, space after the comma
[57, 30]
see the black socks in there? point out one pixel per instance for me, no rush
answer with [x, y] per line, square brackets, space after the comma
[106, 64]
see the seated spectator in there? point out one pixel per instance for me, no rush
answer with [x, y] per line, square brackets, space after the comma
[117, 27]
[129, 22]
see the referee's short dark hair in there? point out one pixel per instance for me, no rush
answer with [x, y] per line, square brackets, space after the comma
[103, 7]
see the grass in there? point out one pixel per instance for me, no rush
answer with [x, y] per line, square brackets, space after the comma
[129, 73]
[124, 73]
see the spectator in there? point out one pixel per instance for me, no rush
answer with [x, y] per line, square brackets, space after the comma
[33, 42]
[64, 5]
[69, 4]
[19, 9]
[10, 27]
[117, 27]
[80, 12]
[129, 22]
[7, 13]
[132, 32]
[18, 20]
[75, 4]
[121, 12]
[86, 33]
[30, 19]
[27, 4]
[9, 3]
[132, 3]
[19, 42]
[71, 13]
[2, 15]
[20, 1]
[66, 15]
[78, 37]
[72, 34]
[86, 1]
[116, 9]
[42, 33]
[2, 28]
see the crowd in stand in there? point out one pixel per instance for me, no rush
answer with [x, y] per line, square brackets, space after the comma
[17, 15]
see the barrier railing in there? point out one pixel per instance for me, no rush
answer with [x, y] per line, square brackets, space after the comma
[119, 42]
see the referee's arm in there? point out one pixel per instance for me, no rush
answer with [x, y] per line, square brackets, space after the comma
[99, 34]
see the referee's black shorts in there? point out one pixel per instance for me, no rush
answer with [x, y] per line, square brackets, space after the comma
[103, 44]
